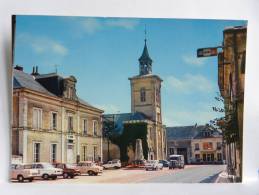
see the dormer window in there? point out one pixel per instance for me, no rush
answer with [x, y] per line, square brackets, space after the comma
[69, 88]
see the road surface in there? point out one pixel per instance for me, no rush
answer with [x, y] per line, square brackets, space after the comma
[190, 174]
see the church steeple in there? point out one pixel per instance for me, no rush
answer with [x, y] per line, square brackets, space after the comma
[145, 62]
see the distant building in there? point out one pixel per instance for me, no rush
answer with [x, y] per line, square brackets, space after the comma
[198, 144]
[231, 76]
[145, 108]
[50, 122]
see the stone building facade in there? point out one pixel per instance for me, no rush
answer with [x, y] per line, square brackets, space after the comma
[231, 76]
[198, 144]
[50, 122]
[146, 107]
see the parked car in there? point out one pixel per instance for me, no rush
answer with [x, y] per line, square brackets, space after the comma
[23, 172]
[116, 164]
[165, 163]
[176, 161]
[89, 168]
[69, 170]
[47, 170]
[153, 165]
[137, 164]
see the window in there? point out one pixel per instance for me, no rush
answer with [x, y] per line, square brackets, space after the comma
[84, 153]
[36, 152]
[70, 124]
[53, 120]
[197, 146]
[219, 157]
[37, 118]
[207, 146]
[95, 127]
[84, 126]
[218, 145]
[197, 157]
[142, 95]
[158, 95]
[171, 150]
[53, 153]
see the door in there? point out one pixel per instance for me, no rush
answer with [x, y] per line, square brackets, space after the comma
[70, 154]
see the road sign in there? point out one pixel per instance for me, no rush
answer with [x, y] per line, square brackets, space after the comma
[207, 52]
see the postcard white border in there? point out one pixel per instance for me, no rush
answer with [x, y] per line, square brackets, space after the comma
[219, 9]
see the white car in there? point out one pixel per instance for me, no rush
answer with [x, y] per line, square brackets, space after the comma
[153, 165]
[116, 164]
[23, 172]
[47, 170]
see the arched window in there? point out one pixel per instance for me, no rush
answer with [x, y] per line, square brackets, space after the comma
[142, 95]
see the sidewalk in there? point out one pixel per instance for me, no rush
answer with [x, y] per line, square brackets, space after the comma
[223, 177]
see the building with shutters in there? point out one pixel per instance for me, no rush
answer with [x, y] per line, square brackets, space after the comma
[50, 122]
[231, 81]
[201, 144]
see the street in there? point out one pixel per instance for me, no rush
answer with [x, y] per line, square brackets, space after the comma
[191, 174]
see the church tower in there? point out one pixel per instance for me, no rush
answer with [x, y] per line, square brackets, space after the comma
[145, 89]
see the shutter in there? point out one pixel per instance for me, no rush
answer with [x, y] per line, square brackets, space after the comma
[34, 118]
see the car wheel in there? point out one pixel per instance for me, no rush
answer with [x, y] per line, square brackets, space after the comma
[65, 175]
[90, 173]
[116, 167]
[45, 176]
[72, 176]
[146, 169]
[20, 178]
[170, 167]
[95, 174]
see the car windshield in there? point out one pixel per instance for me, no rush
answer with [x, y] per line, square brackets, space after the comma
[70, 166]
[174, 158]
[48, 166]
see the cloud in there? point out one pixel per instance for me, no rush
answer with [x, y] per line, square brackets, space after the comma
[189, 83]
[108, 108]
[42, 44]
[91, 25]
[193, 60]
[189, 117]
[128, 24]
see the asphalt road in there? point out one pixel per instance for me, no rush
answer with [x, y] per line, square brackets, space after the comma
[191, 174]
[197, 174]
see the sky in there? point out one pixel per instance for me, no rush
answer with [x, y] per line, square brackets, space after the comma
[102, 53]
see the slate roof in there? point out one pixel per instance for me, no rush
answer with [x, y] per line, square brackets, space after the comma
[121, 118]
[24, 80]
[145, 58]
[190, 132]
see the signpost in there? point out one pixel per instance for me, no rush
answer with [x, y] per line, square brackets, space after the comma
[207, 52]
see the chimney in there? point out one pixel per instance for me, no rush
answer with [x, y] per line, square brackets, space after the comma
[17, 67]
[35, 71]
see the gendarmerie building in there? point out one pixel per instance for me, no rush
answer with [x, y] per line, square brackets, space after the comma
[145, 108]
[199, 144]
[50, 122]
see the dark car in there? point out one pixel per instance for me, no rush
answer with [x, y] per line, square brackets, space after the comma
[137, 164]
[164, 162]
[69, 171]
